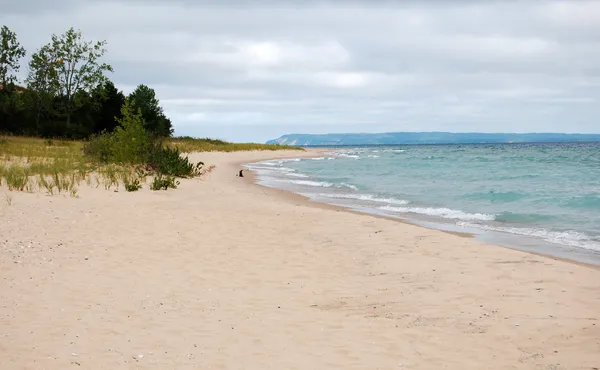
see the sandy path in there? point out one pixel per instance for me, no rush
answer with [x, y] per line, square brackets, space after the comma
[221, 274]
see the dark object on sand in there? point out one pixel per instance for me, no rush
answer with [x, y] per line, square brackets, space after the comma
[241, 174]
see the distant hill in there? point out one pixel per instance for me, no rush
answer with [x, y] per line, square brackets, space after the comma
[392, 138]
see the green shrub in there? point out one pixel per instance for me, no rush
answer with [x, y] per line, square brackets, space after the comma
[161, 182]
[99, 147]
[168, 161]
[49, 142]
[133, 185]
[129, 143]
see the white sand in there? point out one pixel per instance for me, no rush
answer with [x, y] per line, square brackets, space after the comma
[223, 274]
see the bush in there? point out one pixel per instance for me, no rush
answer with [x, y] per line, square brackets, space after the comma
[99, 147]
[129, 143]
[161, 182]
[168, 161]
[133, 185]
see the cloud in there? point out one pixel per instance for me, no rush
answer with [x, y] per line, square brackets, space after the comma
[252, 70]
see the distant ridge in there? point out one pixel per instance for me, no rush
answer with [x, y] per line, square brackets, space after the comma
[391, 138]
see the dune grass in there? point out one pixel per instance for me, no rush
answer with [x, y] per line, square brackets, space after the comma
[188, 145]
[60, 166]
[54, 166]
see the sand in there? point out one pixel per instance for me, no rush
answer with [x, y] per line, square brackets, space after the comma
[224, 274]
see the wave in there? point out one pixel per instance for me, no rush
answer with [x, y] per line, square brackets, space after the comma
[271, 169]
[442, 212]
[570, 238]
[321, 184]
[353, 156]
[292, 174]
[349, 186]
[367, 197]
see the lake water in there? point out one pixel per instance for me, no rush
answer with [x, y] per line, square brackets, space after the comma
[538, 197]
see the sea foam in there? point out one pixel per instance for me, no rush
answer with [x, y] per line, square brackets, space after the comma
[441, 212]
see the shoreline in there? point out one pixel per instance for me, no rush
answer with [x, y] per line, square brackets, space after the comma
[251, 178]
[222, 273]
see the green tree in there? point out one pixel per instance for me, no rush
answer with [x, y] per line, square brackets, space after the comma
[130, 142]
[144, 98]
[42, 82]
[110, 100]
[78, 67]
[10, 54]
[11, 107]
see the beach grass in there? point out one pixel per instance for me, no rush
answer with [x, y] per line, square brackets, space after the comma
[57, 166]
[189, 145]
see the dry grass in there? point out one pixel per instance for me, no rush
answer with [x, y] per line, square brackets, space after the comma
[59, 166]
[54, 166]
[189, 145]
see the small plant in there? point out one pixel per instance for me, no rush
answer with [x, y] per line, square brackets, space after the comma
[3, 142]
[8, 199]
[133, 185]
[16, 178]
[161, 182]
[43, 183]
[49, 142]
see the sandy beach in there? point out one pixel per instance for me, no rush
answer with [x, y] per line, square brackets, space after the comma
[225, 274]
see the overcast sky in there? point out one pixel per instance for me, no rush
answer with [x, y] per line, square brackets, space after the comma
[254, 70]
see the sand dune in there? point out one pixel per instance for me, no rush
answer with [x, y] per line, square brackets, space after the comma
[224, 274]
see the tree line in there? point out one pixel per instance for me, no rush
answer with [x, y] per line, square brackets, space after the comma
[66, 92]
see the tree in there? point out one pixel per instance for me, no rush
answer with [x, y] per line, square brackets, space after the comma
[42, 81]
[78, 67]
[110, 100]
[10, 54]
[157, 123]
[130, 140]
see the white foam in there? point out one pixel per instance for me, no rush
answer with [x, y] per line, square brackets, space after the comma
[442, 212]
[367, 197]
[318, 159]
[568, 238]
[291, 174]
[348, 186]
[272, 169]
[354, 156]
[321, 184]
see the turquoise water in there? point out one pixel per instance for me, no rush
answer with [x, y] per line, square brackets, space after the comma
[548, 193]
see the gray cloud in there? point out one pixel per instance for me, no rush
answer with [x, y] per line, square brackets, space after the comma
[255, 70]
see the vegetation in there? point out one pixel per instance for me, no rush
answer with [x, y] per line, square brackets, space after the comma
[70, 124]
[161, 182]
[188, 144]
[67, 93]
